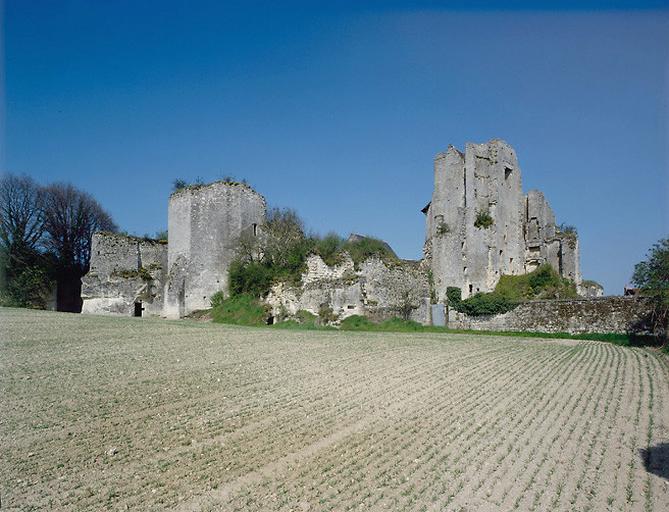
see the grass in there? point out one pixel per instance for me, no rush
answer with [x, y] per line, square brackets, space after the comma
[542, 283]
[240, 310]
[245, 310]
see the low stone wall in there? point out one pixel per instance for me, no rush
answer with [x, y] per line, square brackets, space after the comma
[599, 315]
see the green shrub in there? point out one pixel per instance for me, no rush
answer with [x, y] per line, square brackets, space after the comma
[28, 289]
[542, 283]
[326, 315]
[240, 310]
[251, 278]
[356, 323]
[483, 219]
[454, 296]
[217, 299]
[486, 304]
[364, 248]
[305, 317]
[329, 248]
[479, 304]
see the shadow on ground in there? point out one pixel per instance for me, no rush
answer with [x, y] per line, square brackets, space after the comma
[656, 459]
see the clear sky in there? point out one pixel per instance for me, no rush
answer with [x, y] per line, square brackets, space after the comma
[338, 111]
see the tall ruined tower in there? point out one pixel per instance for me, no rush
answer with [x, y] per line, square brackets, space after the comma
[480, 226]
[204, 226]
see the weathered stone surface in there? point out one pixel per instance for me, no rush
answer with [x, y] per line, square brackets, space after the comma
[603, 315]
[124, 270]
[377, 290]
[206, 222]
[486, 179]
[590, 290]
[204, 226]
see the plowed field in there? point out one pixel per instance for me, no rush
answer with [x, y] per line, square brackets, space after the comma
[102, 413]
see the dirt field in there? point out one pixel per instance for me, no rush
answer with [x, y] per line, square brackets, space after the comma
[120, 413]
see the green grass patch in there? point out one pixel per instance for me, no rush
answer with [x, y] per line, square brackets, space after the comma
[542, 283]
[240, 310]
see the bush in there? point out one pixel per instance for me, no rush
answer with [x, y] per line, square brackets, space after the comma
[326, 315]
[356, 323]
[329, 248]
[479, 304]
[280, 254]
[486, 304]
[28, 289]
[240, 310]
[454, 296]
[542, 283]
[217, 299]
[251, 278]
[364, 248]
[652, 278]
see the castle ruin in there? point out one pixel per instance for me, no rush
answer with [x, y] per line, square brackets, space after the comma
[479, 226]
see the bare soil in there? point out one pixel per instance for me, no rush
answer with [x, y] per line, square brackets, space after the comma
[101, 413]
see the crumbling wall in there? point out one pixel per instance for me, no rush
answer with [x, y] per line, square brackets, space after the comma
[204, 226]
[590, 290]
[376, 289]
[487, 179]
[124, 270]
[602, 315]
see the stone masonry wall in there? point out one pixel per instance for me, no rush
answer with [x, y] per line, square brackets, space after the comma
[601, 315]
[375, 289]
[124, 270]
[204, 226]
[486, 178]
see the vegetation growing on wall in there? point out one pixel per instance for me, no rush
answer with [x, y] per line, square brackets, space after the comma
[479, 304]
[542, 283]
[281, 251]
[483, 219]
[443, 229]
[568, 233]
[182, 184]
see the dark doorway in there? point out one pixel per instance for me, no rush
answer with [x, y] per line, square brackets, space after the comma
[138, 309]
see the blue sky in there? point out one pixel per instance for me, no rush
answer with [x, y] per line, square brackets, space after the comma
[339, 111]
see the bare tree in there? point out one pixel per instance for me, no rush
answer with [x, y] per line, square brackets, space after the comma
[21, 215]
[24, 271]
[71, 216]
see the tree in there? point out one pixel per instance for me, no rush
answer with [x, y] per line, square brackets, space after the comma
[652, 278]
[71, 216]
[21, 213]
[24, 270]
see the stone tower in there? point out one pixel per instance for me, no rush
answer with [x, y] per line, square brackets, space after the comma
[204, 226]
[484, 181]
[480, 226]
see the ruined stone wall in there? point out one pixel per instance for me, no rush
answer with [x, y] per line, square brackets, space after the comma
[124, 270]
[602, 315]
[204, 225]
[487, 179]
[375, 289]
